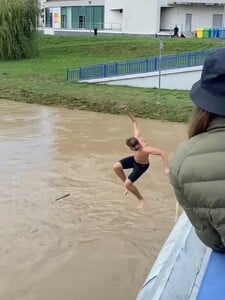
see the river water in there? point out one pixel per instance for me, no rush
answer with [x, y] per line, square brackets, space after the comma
[95, 243]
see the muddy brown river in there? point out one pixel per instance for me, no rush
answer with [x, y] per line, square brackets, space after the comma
[94, 244]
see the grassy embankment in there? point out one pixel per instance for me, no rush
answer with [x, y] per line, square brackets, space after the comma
[43, 80]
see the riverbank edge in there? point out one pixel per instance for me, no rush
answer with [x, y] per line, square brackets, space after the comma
[164, 109]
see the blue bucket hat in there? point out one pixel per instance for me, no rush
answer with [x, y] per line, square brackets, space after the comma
[208, 93]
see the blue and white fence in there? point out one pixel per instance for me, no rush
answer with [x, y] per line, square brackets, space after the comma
[145, 65]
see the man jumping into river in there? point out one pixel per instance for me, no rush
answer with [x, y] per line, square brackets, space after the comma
[139, 162]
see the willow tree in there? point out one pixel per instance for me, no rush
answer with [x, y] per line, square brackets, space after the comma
[18, 23]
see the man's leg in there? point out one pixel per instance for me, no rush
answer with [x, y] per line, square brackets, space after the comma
[118, 169]
[132, 188]
[125, 163]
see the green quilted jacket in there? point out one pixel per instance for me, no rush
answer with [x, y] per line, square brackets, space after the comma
[197, 173]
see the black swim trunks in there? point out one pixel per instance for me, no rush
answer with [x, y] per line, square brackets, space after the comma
[138, 169]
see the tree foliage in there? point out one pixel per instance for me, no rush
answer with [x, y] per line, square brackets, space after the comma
[18, 22]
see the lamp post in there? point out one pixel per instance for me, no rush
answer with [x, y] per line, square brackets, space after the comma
[89, 2]
[160, 58]
[224, 15]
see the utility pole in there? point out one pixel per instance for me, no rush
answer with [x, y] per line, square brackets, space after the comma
[160, 58]
[89, 2]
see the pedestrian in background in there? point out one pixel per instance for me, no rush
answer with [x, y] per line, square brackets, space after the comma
[175, 31]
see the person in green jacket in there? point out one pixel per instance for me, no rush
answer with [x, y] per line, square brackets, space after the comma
[197, 169]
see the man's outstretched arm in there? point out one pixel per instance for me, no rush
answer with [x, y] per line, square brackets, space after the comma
[135, 124]
[155, 151]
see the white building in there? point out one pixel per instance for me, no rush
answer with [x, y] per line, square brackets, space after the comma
[132, 16]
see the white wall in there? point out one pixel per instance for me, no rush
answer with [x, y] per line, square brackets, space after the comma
[137, 17]
[164, 3]
[141, 17]
[179, 79]
[196, 1]
[202, 16]
[113, 16]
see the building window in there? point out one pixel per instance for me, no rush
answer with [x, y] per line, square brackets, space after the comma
[64, 17]
[48, 17]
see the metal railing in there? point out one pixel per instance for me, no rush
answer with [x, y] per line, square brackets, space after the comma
[145, 65]
[85, 25]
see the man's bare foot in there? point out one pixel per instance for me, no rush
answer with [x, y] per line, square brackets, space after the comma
[126, 192]
[141, 203]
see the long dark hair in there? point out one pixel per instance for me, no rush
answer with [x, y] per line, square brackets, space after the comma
[199, 121]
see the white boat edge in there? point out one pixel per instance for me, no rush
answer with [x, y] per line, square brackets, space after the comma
[180, 266]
